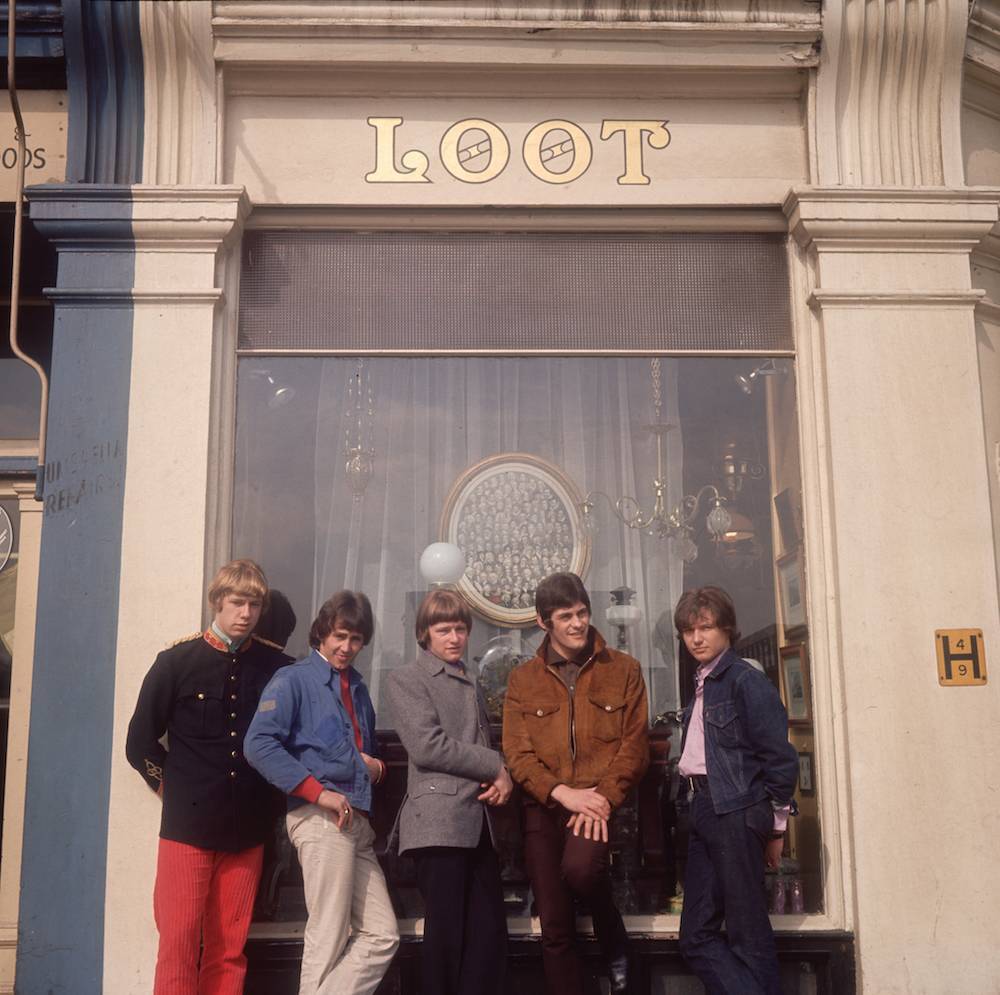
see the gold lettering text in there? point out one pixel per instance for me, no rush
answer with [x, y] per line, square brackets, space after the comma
[414, 163]
[632, 132]
[459, 150]
[540, 149]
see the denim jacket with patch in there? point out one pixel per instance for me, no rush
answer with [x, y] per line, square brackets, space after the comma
[302, 728]
[747, 754]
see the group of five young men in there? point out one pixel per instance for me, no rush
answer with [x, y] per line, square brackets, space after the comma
[241, 718]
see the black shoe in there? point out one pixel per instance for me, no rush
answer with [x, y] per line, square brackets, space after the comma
[618, 974]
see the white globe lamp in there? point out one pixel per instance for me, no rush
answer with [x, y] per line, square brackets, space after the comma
[442, 564]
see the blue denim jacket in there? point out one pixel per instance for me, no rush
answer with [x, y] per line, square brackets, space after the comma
[747, 753]
[301, 727]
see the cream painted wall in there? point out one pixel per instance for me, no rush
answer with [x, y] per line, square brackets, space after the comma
[177, 322]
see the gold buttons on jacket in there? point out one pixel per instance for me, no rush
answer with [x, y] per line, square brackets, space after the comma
[201, 695]
[232, 773]
[232, 732]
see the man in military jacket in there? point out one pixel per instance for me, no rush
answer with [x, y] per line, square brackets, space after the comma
[217, 811]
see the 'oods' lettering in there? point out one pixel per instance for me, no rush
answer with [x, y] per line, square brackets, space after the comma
[33, 158]
[475, 150]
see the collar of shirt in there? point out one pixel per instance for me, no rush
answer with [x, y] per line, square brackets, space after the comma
[232, 644]
[554, 659]
[326, 671]
[704, 669]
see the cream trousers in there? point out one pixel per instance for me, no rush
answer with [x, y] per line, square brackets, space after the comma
[351, 933]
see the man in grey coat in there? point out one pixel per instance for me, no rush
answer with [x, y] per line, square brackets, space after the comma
[454, 777]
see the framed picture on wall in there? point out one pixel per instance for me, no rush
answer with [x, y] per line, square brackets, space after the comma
[792, 591]
[795, 689]
[516, 518]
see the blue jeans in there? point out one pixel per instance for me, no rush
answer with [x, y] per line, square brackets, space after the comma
[725, 880]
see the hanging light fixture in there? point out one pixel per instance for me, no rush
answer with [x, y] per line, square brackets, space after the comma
[359, 435]
[725, 525]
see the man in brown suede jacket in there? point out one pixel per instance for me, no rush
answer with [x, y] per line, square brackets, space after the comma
[575, 738]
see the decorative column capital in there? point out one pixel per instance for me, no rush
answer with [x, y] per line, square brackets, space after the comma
[131, 231]
[891, 219]
[77, 216]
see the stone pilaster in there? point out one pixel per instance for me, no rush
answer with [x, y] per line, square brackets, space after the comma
[141, 404]
[902, 531]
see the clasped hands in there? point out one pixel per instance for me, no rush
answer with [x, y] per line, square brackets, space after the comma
[498, 791]
[591, 811]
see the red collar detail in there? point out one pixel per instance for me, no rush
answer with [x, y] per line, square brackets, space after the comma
[217, 644]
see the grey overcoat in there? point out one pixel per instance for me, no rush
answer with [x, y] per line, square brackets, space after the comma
[441, 720]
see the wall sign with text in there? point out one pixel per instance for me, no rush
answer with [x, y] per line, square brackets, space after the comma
[44, 113]
[556, 151]
[523, 151]
[961, 657]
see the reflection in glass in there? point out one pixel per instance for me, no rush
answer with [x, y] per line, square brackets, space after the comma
[427, 421]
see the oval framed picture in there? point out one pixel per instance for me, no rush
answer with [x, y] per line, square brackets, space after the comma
[6, 537]
[516, 518]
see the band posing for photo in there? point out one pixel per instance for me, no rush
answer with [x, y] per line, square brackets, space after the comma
[249, 732]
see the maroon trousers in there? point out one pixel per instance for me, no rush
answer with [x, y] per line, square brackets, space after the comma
[563, 867]
[203, 904]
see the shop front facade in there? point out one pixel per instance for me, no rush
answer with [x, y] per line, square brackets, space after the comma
[663, 295]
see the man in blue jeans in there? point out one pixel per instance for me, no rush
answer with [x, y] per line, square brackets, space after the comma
[741, 771]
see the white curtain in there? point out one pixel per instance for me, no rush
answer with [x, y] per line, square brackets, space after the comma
[435, 417]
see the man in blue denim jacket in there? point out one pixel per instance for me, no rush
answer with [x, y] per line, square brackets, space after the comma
[314, 738]
[741, 770]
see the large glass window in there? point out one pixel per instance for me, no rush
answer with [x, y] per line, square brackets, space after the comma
[647, 474]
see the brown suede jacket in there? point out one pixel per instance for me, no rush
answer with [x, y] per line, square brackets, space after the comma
[599, 736]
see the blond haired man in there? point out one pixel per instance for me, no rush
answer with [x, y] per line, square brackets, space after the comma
[202, 693]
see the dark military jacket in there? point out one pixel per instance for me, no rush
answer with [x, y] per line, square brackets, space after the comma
[203, 697]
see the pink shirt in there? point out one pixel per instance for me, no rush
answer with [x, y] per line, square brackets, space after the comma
[692, 761]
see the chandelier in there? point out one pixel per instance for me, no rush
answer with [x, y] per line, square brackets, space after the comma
[359, 434]
[679, 523]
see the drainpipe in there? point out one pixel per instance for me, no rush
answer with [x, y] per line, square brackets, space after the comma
[15, 278]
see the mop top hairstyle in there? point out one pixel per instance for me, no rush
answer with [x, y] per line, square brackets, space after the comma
[712, 601]
[244, 578]
[561, 590]
[349, 610]
[440, 606]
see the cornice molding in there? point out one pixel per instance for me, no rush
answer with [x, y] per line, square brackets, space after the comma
[181, 132]
[901, 299]
[734, 35]
[891, 219]
[518, 13]
[888, 104]
[138, 218]
[119, 297]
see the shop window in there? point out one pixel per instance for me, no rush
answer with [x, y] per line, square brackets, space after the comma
[348, 468]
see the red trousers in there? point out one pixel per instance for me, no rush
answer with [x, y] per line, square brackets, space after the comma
[203, 903]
